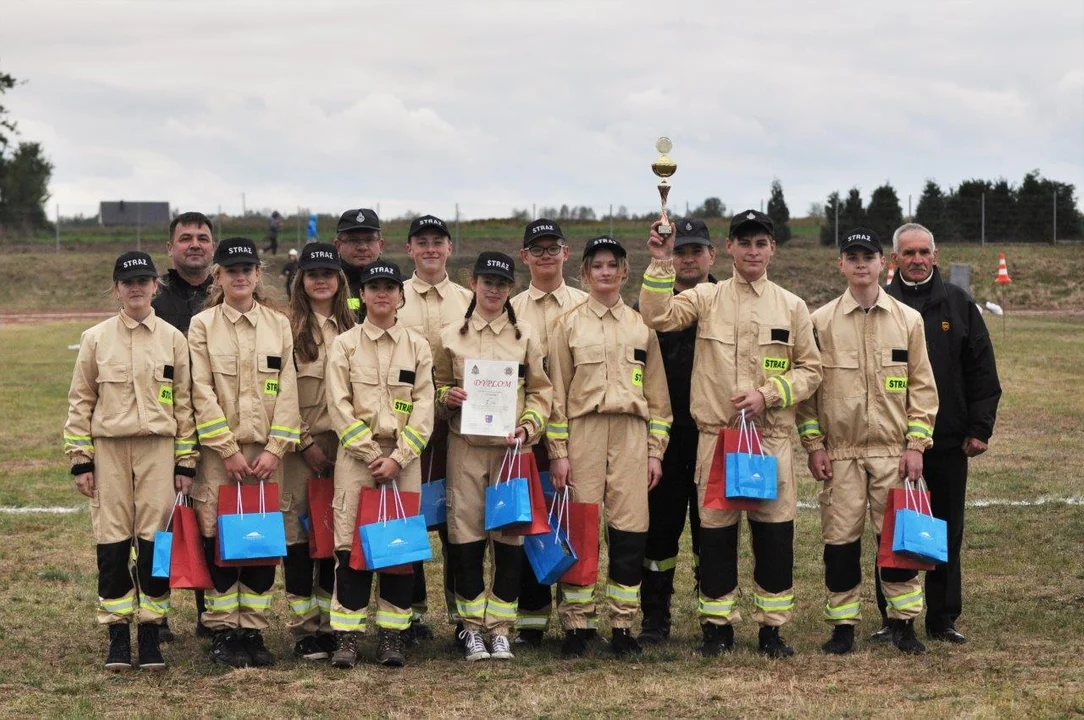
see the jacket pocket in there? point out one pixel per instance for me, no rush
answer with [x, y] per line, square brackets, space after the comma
[116, 392]
[842, 376]
[636, 358]
[588, 354]
[310, 385]
[224, 365]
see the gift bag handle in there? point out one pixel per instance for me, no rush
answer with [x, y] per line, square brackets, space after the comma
[747, 431]
[382, 511]
[912, 501]
[178, 501]
[510, 455]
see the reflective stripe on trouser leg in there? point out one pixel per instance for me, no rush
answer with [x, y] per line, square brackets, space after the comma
[904, 598]
[624, 604]
[472, 611]
[304, 616]
[533, 620]
[223, 608]
[772, 609]
[351, 595]
[153, 611]
[254, 608]
[323, 604]
[500, 615]
[844, 608]
[346, 620]
[117, 610]
[576, 607]
[719, 611]
[390, 617]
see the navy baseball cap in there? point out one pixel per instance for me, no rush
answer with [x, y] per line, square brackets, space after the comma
[691, 232]
[381, 270]
[861, 238]
[495, 263]
[603, 242]
[428, 222]
[541, 228]
[133, 264]
[319, 255]
[751, 218]
[358, 219]
[236, 251]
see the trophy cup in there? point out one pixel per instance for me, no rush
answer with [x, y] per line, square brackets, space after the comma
[664, 167]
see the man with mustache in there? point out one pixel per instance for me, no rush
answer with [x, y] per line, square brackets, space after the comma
[358, 242]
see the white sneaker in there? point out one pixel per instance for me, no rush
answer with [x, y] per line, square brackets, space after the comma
[473, 646]
[500, 648]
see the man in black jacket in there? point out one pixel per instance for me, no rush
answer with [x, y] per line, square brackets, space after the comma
[968, 389]
[675, 496]
[358, 242]
[181, 295]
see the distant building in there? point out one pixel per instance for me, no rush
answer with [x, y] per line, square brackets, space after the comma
[127, 213]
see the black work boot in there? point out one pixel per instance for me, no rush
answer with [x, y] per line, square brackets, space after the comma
[531, 637]
[904, 638]
[391, 648]
[655, 592]
[624, 644]
[119, 656]
[150, 655]
[718, 639]
[883, 634]
[419, 631]
[254, 646]
[575, 644]
[226, 648]
[772, 644]
[346, 650]
[165, 635]
[841, 642]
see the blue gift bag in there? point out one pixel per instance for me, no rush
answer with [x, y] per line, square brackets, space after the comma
[253, 536]
[919, 535]
[435, 502]
[163, 554]
[551, 554]
[749, 475]
[400, 541]
[547, 483]
[508, 502]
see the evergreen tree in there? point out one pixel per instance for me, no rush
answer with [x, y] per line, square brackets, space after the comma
[1000, 211]
[852, 214]
[884, 214]
[828, 226]
[965, 209]
[778, 212]
[932, 211]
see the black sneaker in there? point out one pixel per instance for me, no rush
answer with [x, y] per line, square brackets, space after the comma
[575, 644]
[457, 639]
[882, 635]
[226, 648]
[390, 648]
[718, 639]
[841, 642]
[326, 640]
[119, 656]
[530, 637]
[165, 635]
[346, 650]
[624, 644]
[949, 635]
[254, 646]
[310, 648]
[419, 631]
[772, 643]
[150, 655]
[904, 638]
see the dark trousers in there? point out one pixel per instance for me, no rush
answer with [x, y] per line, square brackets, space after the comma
[672, 498]
[945, 471]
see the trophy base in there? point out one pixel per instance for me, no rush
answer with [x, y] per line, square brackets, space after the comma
[665, 229]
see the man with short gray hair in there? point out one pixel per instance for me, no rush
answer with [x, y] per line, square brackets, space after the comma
[965, 373]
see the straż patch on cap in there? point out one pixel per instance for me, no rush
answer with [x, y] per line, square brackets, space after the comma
[688, 226]
[361, 216]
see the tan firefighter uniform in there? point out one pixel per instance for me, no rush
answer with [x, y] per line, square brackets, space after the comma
[474, 463]
[130, 422]
[748, 336]
[244, 388]
[310, 611]
[878, 398]
[381, 401]
[540, 310]
[611, 413]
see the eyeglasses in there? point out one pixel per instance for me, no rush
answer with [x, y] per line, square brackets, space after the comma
[348, 240]
[551, 250]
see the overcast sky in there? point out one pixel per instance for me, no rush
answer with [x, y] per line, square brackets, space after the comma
[418, 105]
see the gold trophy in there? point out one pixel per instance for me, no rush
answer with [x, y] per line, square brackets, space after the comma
[664, 167]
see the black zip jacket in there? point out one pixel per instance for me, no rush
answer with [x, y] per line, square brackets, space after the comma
[177, 301]
[962, 357]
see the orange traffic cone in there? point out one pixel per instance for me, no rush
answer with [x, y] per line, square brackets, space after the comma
[891, 273]
[1002, 271]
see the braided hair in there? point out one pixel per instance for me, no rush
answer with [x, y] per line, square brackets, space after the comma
[512, 317]
[467, 316]
[507, 308]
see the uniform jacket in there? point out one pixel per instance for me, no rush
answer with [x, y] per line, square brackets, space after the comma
[131, 379]
[606, 360]
[541, 309]
[748, 336]
[962, 357]
[244, 384]
[380, 387]
[429, 309]
[495, 341]
[311, 395]
[177, 301]
[878, 394]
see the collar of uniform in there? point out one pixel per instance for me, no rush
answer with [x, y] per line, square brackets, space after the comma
[132, 323]
[422, 287]
[497, 325]
[322, 320]
[560, 294]
[599, 309]
[850, 304]
[375, 333]
[758, 285]
[233, 315]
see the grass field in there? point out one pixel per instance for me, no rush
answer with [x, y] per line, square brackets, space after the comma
[1024, 596]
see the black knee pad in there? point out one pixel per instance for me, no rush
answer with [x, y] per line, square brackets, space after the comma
[297, 570]
[507, 566]
[114, 576]
[258, 579]
[897, 575]
[148, 584]
[419, 592]
[626, 556]
[395, 589]
[718, 560]
[325, 569]
[468, 561]
[351, 586]
[223, 578]
[843, 566]
[773, 553]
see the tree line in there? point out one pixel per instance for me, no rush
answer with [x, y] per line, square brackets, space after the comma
[24, 173]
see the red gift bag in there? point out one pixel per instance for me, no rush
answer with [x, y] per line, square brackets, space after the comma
[900, 499]
[188, 562]
[583, 520]
[368, 512]
[540, 522]
[321, 517]
[250, 503]
[715, 495]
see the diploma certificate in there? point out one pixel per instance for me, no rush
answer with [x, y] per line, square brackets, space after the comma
[492, 390]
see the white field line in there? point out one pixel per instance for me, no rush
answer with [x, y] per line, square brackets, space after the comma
[994, 502]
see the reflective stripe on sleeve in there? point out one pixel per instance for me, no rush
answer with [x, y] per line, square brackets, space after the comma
[557, 431]
[414, 439]
[183, 447]
[286, 433]
[659, 427]
[786, 391]
[211, 429]
[353, 432]
[809, 428]
[658, 284]
[78, 441]
[918, 429]
[530, 414]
